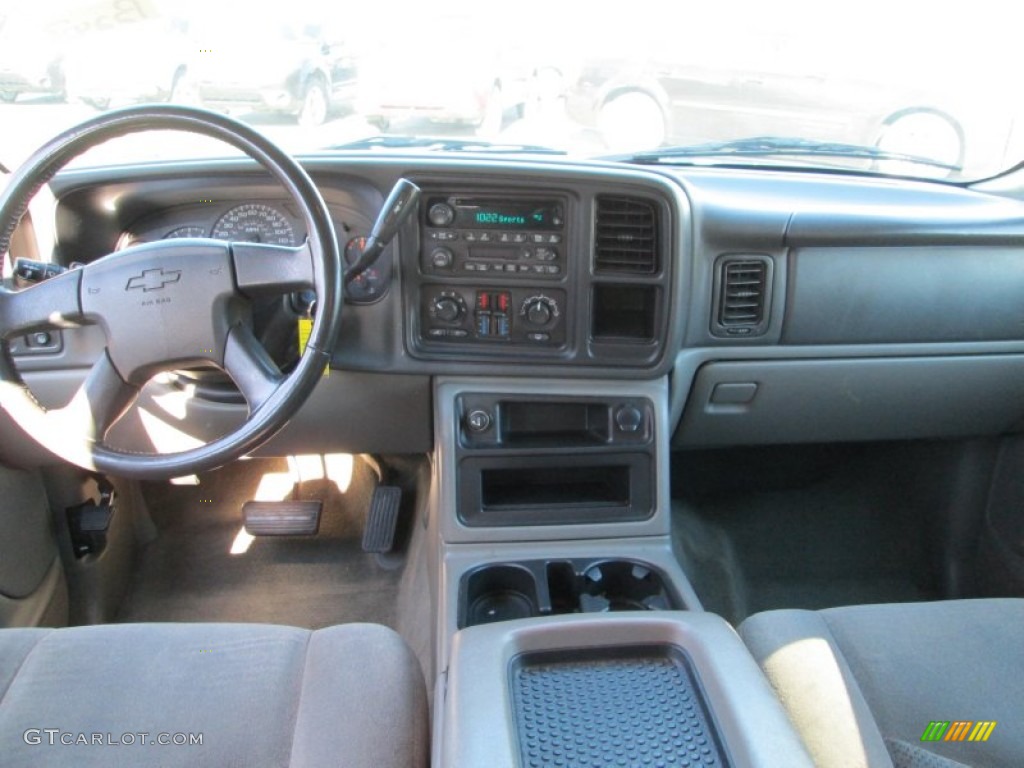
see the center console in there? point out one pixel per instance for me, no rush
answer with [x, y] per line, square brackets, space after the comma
[637, 690]
[567, 633]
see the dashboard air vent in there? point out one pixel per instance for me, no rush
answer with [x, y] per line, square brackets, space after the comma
[743, 295]
[626, 236]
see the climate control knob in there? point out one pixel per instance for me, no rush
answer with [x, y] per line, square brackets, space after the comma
[539, 311]
[448, 309]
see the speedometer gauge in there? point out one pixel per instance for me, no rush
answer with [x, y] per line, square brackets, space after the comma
[255, 223]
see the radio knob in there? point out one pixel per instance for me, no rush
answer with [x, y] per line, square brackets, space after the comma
[442, 258]
[539, 312]
[447, 309]
[441, 214]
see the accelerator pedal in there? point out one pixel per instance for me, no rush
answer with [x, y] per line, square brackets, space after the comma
[381, 522]
[282, 518]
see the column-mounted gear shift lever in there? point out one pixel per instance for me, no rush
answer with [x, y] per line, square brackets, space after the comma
[403, 200]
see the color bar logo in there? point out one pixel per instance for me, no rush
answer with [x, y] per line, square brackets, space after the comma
[958, 730]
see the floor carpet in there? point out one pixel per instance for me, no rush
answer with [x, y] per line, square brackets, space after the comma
[189, 574]
[849, 535]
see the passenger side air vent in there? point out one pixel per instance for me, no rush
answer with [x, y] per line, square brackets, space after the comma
[743, 295]
[625, 236]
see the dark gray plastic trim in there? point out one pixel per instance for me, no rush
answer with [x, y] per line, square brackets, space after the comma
[855, 399]
[866, 295]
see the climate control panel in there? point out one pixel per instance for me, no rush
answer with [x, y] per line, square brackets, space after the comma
[507, 314]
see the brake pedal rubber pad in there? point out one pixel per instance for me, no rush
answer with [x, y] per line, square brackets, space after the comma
[282, 518]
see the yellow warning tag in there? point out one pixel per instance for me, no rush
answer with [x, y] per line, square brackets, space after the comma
[305, 329]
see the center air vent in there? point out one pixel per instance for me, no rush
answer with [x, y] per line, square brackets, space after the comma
[626, 236]
[743, 295]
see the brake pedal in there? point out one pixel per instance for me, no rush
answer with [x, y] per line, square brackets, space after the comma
[282, 518]
[382, 520]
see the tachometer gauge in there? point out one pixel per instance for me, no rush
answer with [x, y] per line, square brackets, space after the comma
[372, 283]
[186, 231]
[255, 223]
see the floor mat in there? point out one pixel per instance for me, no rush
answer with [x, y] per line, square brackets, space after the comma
[852, 535]
[189, 574]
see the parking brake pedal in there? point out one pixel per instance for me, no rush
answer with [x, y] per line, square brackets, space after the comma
[382, 520]
[282, 518]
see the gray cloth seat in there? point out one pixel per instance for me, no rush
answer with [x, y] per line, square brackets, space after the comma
[256, 695]
[862, 683]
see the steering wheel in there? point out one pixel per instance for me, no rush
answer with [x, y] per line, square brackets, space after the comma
[169, 304]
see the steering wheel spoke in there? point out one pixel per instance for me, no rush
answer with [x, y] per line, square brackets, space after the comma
[262, 270]
[53, 303]
[99, 403]
[249, 365]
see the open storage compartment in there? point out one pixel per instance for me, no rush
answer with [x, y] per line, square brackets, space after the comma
[555, 489]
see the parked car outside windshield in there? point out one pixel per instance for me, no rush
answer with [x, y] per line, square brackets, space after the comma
[929, 87]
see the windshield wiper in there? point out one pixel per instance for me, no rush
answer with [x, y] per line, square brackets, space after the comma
[442, 144]
[768, 146]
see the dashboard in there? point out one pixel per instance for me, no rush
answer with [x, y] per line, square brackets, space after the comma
[781, 306]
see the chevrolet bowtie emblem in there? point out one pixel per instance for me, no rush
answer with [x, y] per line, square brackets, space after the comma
[154, 279]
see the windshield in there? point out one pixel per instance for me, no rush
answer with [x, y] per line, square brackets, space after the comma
[927, 89]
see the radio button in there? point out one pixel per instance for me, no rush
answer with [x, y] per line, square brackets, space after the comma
[538, 238]
[547, 254]
[554, 239]
[519, 237]
[483, 237]
[539, 336]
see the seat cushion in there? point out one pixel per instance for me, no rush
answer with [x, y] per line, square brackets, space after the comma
[255, 695]
[863, 683]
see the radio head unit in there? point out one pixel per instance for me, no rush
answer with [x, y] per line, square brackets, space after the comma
[520, 237]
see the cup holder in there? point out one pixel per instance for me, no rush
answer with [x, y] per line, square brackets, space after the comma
[619, 585]
[499, 593]
[506, 591]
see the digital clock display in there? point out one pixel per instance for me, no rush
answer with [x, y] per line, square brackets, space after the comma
[492, 214]
[495, 218]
